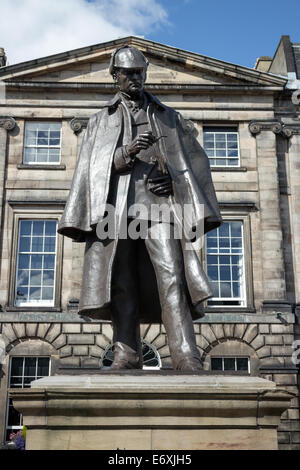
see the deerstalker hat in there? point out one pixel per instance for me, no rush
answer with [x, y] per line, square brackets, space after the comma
[127, 57]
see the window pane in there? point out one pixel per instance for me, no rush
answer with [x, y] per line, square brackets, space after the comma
[35, 270]
[226, 268]
[16, 366]
[216, 363]
[221, 142]
[242, 363]
[229, 363]
[30, 366]
[43, 366]
[40, 139]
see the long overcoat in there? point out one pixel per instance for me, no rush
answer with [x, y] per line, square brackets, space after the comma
[189, 169]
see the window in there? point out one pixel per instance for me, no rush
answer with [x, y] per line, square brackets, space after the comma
[36, 260]
[230, 364]
[23, 370]
[225, 264]
[151, 358]
[42, 143]
[222, 146]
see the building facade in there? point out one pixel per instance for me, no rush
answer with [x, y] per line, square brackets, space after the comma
[248, 121]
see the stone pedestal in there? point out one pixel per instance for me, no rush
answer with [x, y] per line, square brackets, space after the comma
[123, 411]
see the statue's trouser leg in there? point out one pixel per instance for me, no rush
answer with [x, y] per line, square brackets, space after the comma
[124, 295]
[166, 256]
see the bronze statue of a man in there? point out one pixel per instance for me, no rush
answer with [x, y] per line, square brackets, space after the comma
[137, 152]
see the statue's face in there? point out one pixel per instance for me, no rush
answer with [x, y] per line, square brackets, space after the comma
[131, 81]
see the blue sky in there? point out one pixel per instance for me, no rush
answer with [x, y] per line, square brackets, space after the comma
[232, 30]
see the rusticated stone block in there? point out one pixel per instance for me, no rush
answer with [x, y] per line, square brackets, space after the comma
[60, 341]
[229, 330]
[296, 437]
[80, 350]
[258, 342]
[285, 379]
[274, 339]
[53, 332]
[71, 328]
[152, 333]
[81, 339]
[202, 342]
[208, 334]
[106, 329]
[251, 333]
[91, 328]
[31, 330]
[265, 351]
[66, 351]
[90, 362]
[8, 331]
[95, 351]
[281, 351]
[20, 330]
[283, 437]
[239, 330]
[282, 328]
[70, 361]
[218, 330]
[42, 329]
[264, 329]
[101, 341]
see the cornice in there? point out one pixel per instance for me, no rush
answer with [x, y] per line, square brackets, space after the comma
[7, 122]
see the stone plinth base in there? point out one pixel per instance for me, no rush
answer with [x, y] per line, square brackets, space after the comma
[151, 412]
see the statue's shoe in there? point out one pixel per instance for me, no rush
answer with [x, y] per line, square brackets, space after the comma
[125, 357]
[188, 364]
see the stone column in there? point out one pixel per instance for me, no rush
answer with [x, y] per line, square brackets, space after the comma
[274, 285]
[6, 124]
[294, 174]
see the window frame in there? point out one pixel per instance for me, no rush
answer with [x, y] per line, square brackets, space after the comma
[46, 212]
[243, 215]
[34, 164]
[223, 357]
[234, 126]
[8, 400]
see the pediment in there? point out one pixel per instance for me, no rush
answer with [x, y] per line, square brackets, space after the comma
[167, 65]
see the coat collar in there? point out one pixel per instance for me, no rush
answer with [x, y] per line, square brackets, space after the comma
[113, 103]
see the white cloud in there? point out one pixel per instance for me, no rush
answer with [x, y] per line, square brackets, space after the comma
[30, 29]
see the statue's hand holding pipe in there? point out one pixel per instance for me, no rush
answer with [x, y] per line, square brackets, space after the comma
[140, 142]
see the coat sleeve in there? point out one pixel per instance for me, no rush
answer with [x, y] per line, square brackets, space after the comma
[200, 167]
[75, 221]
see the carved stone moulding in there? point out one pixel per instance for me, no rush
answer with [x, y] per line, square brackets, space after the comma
[7, 122]
[78, 124]
[255, 127]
